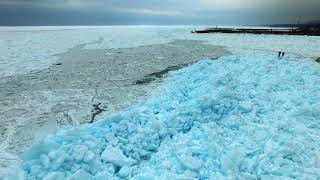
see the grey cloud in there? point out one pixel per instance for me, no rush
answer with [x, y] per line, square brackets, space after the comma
[99, 12]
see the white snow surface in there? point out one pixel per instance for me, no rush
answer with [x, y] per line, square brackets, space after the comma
[250, 116]
[24, 49]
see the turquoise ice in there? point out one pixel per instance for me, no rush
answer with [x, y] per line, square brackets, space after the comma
[239, 117]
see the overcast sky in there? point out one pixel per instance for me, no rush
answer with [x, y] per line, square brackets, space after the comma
[157, 12]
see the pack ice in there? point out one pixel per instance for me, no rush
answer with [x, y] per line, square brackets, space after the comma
[239, 117]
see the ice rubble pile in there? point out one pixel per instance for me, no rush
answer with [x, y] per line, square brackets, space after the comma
[243, 117]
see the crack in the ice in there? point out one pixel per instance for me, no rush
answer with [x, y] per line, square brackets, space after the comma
[96, 111]
[158, 75]
[161, 74]
[96, 107]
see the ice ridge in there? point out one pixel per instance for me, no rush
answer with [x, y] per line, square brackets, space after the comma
[238, 117]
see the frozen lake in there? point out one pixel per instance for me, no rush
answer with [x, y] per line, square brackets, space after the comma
[54, 77]
[24, 49]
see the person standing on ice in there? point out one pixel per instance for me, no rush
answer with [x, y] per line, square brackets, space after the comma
[280, 54]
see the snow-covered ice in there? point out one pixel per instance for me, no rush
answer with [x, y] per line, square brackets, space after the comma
[24, 49]
[240, 117]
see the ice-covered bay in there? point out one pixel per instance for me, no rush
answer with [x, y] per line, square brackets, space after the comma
[94, 75]
[25, 49]
[240, 117]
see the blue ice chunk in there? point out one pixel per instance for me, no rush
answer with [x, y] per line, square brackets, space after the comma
[192, 163]
[104, 175]
[125, 171]
[45, 160]
[115, 156]
[89, 156]
[245, 106]
[80, 175]
[79, 151]
[54, 176]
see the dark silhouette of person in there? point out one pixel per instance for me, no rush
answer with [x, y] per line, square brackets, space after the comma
[279, 54]
[282, 54]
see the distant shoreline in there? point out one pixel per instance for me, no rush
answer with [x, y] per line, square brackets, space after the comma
[307, 30]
